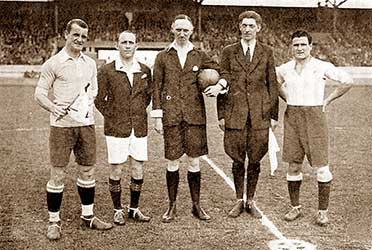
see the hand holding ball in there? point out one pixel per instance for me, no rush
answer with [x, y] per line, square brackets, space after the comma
[208, 77]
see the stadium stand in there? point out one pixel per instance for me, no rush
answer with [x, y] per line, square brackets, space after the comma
[31, 31]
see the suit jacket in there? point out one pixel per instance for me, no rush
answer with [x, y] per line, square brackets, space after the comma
[123, 106]
[176, 89]
[253, 88]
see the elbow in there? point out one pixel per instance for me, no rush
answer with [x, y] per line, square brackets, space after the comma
[37, 97]
[346, 88]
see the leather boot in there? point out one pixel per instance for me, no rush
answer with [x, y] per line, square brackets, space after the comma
[253, 172]
[172, 185]
[194, 185]
[238, 174]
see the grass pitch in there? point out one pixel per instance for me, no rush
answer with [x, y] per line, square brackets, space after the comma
[24, 174]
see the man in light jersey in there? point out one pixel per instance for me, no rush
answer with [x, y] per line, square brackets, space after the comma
[71, 76]
[303, 82]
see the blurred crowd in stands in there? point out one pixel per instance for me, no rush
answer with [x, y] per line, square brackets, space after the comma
[29, 32]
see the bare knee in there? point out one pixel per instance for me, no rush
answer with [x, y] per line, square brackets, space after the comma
[86, 172]
[137, 169]
[115, 171]
[57, 176]
[294, 169]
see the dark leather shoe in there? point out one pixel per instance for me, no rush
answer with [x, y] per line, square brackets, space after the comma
[237, 209]
[170, 214]
[199, 213]
[136, 214]
[253, 210]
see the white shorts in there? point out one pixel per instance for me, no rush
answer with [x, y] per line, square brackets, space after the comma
[118, 149]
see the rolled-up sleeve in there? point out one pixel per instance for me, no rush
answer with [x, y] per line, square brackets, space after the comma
[47, 77]
[339, 75]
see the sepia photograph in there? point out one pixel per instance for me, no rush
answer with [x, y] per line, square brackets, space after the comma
[186, 124]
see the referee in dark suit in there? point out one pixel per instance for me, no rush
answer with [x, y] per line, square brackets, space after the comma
[179, 111]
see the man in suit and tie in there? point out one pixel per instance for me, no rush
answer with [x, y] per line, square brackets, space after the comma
[124, 92]
[179, 112]
[248, 109]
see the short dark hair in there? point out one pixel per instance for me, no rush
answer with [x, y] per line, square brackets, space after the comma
[302, 33]
[182, 16]
[250, 14]
[77, 21]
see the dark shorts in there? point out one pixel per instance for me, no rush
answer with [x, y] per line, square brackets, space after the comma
[80, 140]
[240, 143]
[305, 133]
[185, 139]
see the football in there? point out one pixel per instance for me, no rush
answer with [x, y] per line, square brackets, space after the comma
[208, 77]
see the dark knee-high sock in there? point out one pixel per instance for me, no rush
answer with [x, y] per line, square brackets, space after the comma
[173, 179]
[54, 201]
[135, 191]
[294, 192]
[238, 175]
[253, 173]
[115, 191]
[193, 179]
[324, 189]
[86, 191]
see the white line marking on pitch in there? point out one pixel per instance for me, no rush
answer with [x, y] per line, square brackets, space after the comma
[265, 221]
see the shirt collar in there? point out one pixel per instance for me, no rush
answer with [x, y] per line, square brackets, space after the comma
[136, 67]
[310, 63]
[173, 45]
[251, 43]
[65, 56]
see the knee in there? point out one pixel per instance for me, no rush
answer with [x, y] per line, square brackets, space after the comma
[86, 172]
[254, 168]
[115, 172]
[57, 176]
[173, 166]
[194, 165]
[237, 168]
[323, 174]
[137, 170]
[294, 169]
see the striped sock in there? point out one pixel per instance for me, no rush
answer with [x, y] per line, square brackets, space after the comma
[135, 192]
[115, 191]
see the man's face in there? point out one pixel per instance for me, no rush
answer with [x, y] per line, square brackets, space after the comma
[127, 45]
[182, 30]
[76, 38]
[301, 48]
[249, 28]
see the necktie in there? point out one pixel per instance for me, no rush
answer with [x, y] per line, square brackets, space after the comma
[248, 56]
